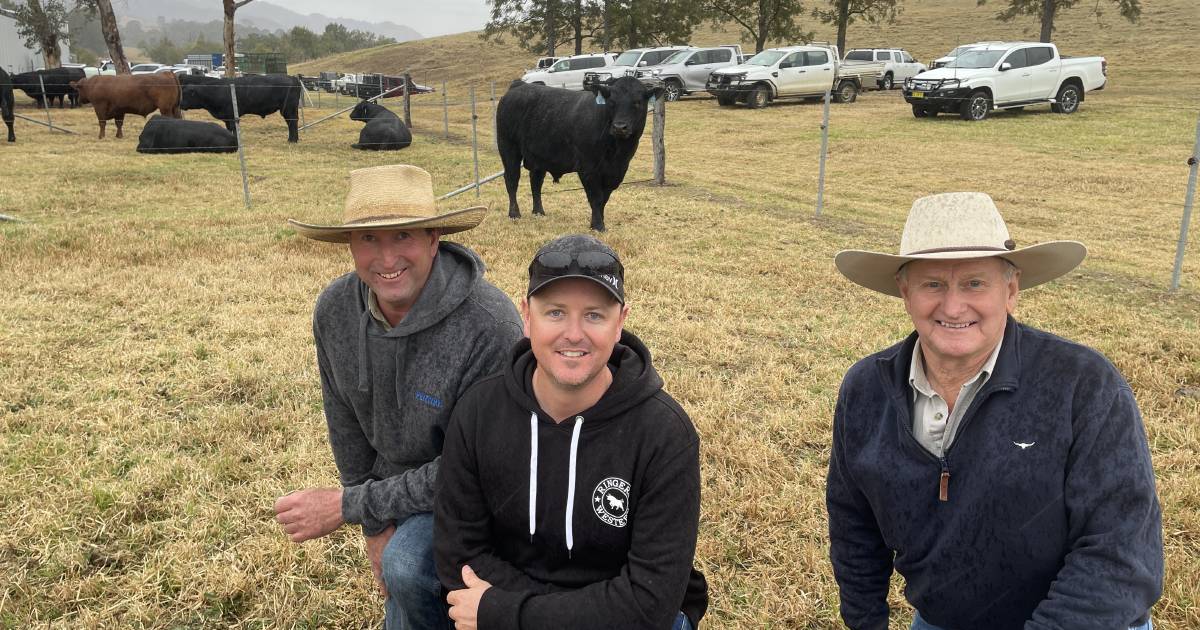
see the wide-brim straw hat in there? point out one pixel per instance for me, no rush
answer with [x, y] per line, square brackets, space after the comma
[954, 226]
[393, 197]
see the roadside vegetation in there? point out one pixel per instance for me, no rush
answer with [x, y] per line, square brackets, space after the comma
[158, 387]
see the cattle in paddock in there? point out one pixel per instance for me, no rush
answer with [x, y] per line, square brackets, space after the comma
[260, 94]
[384, 130]
[115, 96]
[173, 135]
[557, 131]
[57, 82]
[6, 103]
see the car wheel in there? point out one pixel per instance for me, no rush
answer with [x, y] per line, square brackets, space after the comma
[726, 101]
[1067, 99]
[672, 90]
[759, 97]
[976, 106]
[886, 83]
[846, 92]
[920, 112]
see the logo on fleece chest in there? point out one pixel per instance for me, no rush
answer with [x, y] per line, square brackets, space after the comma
[429, 399]
[610, 501]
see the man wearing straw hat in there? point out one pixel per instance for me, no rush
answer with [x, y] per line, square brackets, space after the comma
[398, 341]
[1003, 471]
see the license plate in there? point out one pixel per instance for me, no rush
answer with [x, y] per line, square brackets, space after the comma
[918, 95]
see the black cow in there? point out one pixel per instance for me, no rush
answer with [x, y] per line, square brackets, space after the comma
[163, 134]
[384, 130]
[6, 103]
[260, 94]
[559, 131]
[57, 82]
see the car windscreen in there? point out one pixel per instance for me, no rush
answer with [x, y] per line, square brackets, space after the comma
[977, 59]
[629, 58]
[858, 55]
[765, 58]
[677, 57]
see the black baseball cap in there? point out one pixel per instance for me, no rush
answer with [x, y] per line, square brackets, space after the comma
[577, 256]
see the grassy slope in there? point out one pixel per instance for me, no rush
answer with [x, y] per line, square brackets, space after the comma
[157, 388]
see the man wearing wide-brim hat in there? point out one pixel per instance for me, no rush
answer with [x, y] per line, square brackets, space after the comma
[398, 342]
[1003, 471]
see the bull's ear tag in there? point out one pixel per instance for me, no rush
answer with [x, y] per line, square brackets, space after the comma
[599, 98]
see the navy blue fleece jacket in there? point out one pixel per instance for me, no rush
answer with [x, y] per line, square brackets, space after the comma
[1050, 521]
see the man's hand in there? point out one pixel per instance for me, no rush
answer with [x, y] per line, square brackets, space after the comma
[464, 603]
[375, 546]
[310, 513]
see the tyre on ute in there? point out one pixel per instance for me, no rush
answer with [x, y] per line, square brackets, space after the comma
[726, 101]
[976, 106]
[759, 97]
[846, 92]
[886, 83]
[672, 90]
[1067, 101]
[922, 111]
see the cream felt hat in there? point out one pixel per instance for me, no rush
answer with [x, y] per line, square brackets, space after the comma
[393, 197]
[953, 226]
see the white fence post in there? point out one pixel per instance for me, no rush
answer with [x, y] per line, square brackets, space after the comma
[237, 125]
[824, 150]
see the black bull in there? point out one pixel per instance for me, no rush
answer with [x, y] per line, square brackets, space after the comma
[558, 131]
[260, 95]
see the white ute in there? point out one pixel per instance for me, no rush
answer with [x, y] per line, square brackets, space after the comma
[1005, 76]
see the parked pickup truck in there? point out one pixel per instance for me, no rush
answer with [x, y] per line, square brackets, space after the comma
[793, 71]
[687, 70]
[1010, 75]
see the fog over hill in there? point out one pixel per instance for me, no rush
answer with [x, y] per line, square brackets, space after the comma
[259, 14]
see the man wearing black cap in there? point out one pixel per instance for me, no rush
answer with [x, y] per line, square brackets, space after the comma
[569, 494]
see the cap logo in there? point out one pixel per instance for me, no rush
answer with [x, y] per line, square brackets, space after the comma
[611, 279]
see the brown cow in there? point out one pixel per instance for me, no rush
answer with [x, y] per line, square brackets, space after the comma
[114, 96]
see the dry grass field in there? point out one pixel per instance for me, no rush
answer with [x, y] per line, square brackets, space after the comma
[158, 387]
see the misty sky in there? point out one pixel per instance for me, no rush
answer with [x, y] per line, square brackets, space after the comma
[439, 17]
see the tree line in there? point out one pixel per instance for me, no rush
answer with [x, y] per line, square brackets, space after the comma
[555, 27]
[44, 25]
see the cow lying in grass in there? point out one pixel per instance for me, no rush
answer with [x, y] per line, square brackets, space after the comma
[557, 131]
[384, 130]
[170, 135]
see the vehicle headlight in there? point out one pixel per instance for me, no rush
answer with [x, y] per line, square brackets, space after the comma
[951, 83]
[656, 71]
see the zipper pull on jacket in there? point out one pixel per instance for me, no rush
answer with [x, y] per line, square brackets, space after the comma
[944, 482]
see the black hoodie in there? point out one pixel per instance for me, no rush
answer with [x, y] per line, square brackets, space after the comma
[614, 494]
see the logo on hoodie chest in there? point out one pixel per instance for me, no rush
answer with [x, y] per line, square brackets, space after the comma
[610, 501]
[429, 399]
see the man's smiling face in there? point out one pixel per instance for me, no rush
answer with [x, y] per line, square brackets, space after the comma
[959, 307]
[573, 325]
[395, 264]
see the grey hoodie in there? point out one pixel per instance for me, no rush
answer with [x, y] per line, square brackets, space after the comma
[388, 394]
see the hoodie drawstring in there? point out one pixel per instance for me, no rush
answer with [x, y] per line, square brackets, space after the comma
[571, 485]
[533, 458]
[569, 516]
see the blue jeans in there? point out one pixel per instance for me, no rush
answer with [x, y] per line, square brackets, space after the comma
[920, 624]
[414, 593]
[682, 623]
